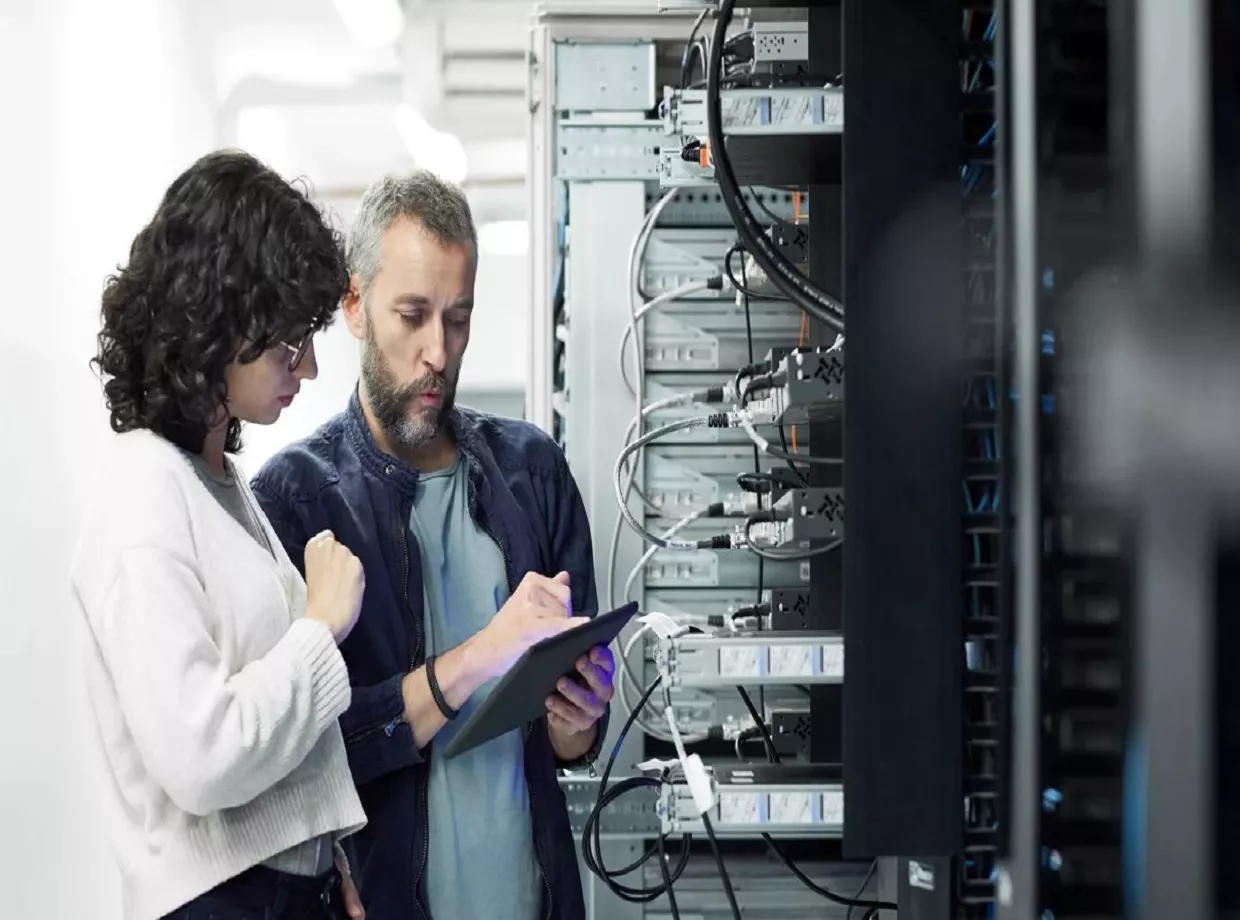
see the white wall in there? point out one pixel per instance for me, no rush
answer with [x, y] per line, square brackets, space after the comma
[103, 104]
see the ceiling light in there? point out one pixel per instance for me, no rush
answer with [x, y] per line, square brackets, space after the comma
[505, 237]
[437, 151]
[372, 23]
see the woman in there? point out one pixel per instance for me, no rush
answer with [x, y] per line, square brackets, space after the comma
[213, 670]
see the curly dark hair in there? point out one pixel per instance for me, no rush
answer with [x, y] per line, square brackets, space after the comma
[235, 261]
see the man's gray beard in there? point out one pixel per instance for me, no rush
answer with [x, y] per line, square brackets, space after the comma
[391, 403]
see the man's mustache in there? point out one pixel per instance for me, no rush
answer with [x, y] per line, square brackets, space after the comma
[434, 383]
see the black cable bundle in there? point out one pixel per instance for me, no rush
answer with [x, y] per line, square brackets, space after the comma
[773, 757]
[782, 273]
[591, 839]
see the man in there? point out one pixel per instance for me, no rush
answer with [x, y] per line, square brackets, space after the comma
[475, 544]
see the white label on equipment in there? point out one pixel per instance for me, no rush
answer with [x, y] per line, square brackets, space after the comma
[920, 875]
[833, 661]
[791, 661]
[792, 807]
[738, 662]
[833, 808]
[741, 807]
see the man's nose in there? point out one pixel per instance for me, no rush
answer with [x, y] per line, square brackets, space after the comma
[434, 348]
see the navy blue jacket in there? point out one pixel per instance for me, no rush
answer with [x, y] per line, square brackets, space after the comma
[522, 494]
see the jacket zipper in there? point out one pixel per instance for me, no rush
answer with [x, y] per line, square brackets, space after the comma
[529, 730]
[503, 555]
[413, 663]
[542, 874]
[389, 728]
[404, 545]
[368, 731]
[423, 798]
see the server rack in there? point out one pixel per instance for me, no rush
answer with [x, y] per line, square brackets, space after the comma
[1074, 583]
[594, 130]
[1122, 728]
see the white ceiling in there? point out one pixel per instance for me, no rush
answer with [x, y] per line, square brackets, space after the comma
[295, 88]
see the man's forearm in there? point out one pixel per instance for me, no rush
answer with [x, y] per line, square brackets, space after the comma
[570, 748]
[459, 673]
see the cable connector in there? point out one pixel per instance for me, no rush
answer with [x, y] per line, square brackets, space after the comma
[719, 541]
[754, 610]
[725, 510]
[768, 382]
[762, 529]
[712, 396]
[757, 414]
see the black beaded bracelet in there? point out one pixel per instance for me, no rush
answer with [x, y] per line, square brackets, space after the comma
[448, 712]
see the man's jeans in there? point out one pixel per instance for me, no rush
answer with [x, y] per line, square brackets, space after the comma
[264, 894]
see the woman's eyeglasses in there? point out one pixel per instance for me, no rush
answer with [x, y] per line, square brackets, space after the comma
[298, 351]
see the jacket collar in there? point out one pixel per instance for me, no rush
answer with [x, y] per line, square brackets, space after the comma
[392, 469]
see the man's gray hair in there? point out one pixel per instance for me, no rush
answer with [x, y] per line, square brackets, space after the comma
[440, 206]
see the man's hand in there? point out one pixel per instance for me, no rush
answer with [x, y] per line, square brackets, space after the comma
[537, 610]
[574, 711]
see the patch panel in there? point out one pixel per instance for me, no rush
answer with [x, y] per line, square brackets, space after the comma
[803, 658]
[635, 815]
[764, 112]
[789, 800]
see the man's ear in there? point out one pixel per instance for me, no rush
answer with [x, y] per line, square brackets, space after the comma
[352, 306]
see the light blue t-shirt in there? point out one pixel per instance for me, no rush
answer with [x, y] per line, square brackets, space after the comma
[481, 861]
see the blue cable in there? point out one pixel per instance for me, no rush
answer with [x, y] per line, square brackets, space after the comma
[991, 26]
[989, 135]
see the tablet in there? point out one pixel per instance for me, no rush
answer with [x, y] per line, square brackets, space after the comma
[521, 694]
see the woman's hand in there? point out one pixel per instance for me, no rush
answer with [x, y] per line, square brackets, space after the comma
[352, 900]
